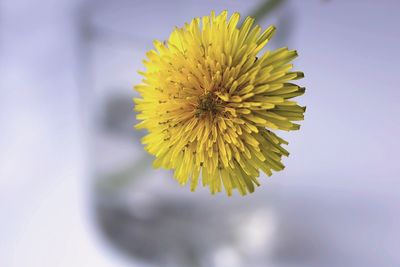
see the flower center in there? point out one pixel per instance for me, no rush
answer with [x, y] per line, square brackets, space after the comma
[207, 105]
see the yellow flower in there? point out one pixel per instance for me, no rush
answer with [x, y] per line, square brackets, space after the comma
[209, 102]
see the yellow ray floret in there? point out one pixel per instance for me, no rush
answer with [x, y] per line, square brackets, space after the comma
[210, 102]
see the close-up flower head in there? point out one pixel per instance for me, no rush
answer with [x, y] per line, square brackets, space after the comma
[135, 133]
[211, 100]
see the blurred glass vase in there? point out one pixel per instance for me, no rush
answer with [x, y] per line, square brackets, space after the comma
[141, 211]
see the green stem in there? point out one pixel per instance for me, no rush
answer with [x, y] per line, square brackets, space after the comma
[265, 8]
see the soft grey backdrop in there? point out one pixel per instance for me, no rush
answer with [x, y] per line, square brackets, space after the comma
[344, 165]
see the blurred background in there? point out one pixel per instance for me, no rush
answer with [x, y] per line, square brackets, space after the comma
[77, 189]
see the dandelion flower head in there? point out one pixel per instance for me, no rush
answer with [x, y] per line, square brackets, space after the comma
[211, 99]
